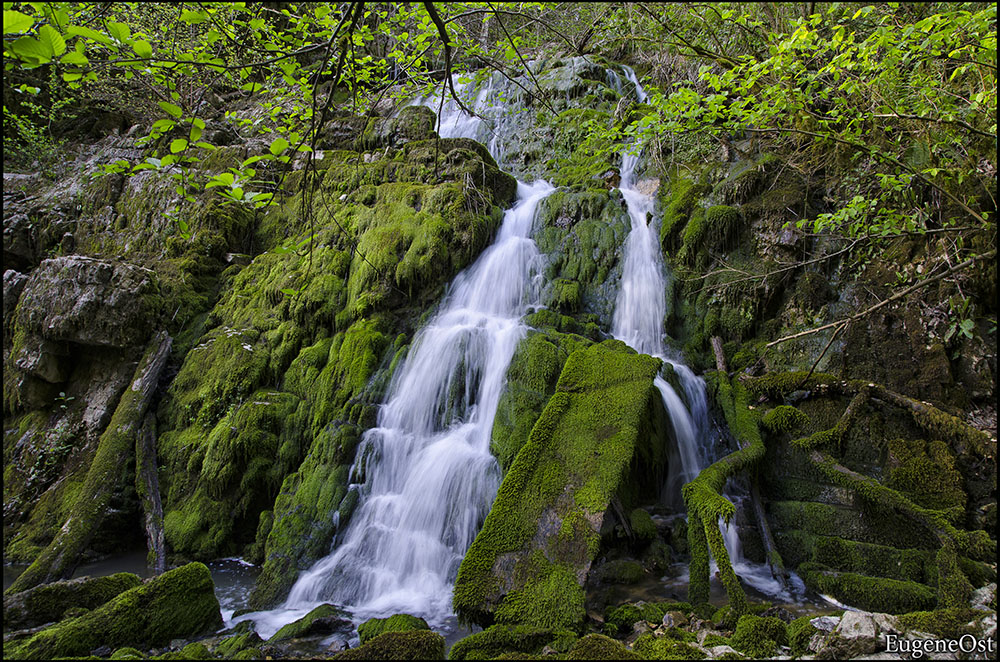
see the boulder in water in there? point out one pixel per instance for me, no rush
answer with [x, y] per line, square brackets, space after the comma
[324, 619]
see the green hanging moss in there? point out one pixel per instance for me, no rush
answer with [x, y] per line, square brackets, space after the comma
[946, 623]
[800, 633]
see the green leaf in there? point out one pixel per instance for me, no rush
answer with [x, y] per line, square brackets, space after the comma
[209, 146]
[178, 145]
[31, 51]
[75, 58]
[278, 145]
[195, 134]
[193, 17]
[142, 48]
[120, 31]
[15, 22]
[87, 33]
[52, 39]
[289, 291]
[170, 108]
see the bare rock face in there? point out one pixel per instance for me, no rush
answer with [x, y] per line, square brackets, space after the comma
[89, 302]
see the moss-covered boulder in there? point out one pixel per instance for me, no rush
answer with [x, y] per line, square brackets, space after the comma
[49, 602]
[530, 560]
[177, 604]
[758, 636]
[581, 232]
[599, 647]
[373, 627]
[324, 619]
[498, 640]
[408, 645]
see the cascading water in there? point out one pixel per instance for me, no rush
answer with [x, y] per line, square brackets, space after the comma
[425, 475]
[638, 321]
[639, 312]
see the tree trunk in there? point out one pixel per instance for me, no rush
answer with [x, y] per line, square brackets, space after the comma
[147, 484]
[60, 558]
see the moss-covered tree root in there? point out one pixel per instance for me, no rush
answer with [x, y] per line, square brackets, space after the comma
[117, 442]
[953, 586]
[706, 505]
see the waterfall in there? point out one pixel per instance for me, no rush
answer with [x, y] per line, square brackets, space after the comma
[638, 321]
[425, 475]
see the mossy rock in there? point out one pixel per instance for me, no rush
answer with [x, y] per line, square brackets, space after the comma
[321, 620]
[527, 565]
[373, 627]
[499, 640]
[622, 572]
[232, 646]
[177, 604]
[877, 594]
[128, 653]
[945, 623]
[599, 647]
[652, 647]
[621, 618]
[49, 602]
[758, 636]
[800, 633]
[408, 645]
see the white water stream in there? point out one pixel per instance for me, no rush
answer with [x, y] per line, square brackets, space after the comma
[425, 475]
[638, 321]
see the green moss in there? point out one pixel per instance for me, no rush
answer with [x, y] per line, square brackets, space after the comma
[373, 627]
[531, 380]
[784, 418]
[575, 458]
[758, 637]
[230, 647]
[713, 640]
[620, 619]
[704, 500]
[303, 625]
[877, 594]
[954, 589]
[715, 229]
[946, 623]
[652, 647]
[49, 602]
[499, 639]
[927, 474]
[622, 572]
[599, 647]
[408, 645]
[800, 633]
[878, 560]
[128, 654]
[677, 208]
[642, 525]
[178, 603]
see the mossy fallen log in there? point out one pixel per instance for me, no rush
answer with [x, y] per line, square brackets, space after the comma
[60, 558]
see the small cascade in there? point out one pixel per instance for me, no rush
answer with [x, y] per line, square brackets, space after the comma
[638, 320]
[425, 475]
